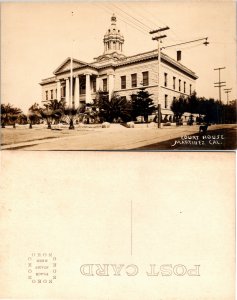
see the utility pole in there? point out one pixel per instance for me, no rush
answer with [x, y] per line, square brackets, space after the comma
[220, 83]
[227, 91]
[158, 39]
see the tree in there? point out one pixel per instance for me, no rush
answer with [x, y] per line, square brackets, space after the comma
[231, 111]
[57, 108]
[34, 114]
[213, 111]
[9, 114]
[71, 112]
[53, 111]
[142, 104]
[179, 107]
[117, 109]
[22, 119]
[193, 103]
[89, 113]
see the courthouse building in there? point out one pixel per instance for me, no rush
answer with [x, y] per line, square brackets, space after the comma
[113, 71]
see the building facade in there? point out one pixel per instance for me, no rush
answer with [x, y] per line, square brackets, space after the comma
[114, 72]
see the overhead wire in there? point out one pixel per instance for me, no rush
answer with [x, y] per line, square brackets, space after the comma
[147, 20]
[126, 19]
[105, 8]
[133, 21]
[137, 20]
[142, 27]
[152, 16]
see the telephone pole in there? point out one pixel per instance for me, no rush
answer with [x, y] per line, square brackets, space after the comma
[158, 39]
[227, 91]
[220, 83]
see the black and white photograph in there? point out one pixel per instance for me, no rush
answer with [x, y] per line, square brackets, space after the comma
[118, 76]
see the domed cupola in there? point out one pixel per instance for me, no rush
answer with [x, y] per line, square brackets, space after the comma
[113, 39]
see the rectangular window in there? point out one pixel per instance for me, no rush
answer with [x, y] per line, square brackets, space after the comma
[145, 78]
[123, 82]
[51, 94]
[46, 95]
[190, 89]
[165, 79]
[105, 85]
[94, 86]
[56, 93]
[166, 101]
[134, 80]
[184, 87]
[174, 81]
[179, 85]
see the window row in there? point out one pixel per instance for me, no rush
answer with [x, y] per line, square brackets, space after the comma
[134, 83]
[49, 95]
[179, 84]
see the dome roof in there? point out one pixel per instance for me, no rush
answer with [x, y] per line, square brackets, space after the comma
[113, 31]
[113, 43]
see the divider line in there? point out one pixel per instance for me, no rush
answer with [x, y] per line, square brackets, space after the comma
[131, 223]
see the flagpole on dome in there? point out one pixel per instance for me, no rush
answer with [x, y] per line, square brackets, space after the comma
[71, 102]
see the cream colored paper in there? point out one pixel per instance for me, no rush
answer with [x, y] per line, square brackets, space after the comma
[132, 209]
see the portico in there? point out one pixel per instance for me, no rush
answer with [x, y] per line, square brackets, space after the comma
[84, 86]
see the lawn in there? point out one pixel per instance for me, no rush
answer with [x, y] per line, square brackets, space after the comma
[22, 134]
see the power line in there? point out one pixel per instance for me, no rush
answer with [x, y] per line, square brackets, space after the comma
[151, 15]
[128, 21]
[122, 19]
[205, 43]
[132, 17]
[125, 19]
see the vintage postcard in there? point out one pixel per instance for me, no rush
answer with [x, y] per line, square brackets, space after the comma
[118, 226]
[118, 75]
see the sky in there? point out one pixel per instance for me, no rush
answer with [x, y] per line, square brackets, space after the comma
[37, 37]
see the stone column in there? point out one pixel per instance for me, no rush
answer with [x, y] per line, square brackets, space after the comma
[88, 88]
[98, 81]
[58, 90]
[110, 84]
[77, 91]
[67, 91]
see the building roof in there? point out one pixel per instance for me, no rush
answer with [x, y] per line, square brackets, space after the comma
[66, 65]
[114, 58]
[141, 57]
[148, 56]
